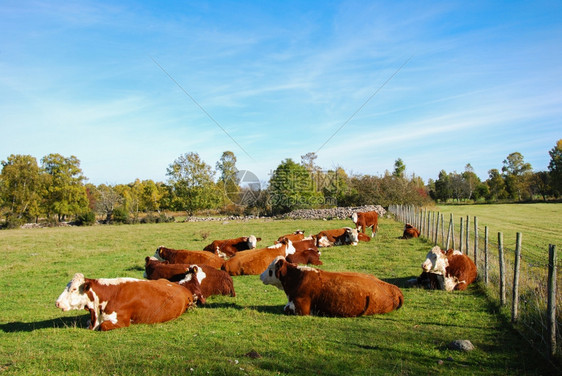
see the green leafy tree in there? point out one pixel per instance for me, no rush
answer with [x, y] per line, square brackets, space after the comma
[399, 168]
[540, 184]
[151, 196]
[443, 190]
[228, 181]
[496, 185]
[65, 191]
[20, 187]
[107, 201]
[291, 187]
[193, 185]
[555, 168]
[471, 180]
[516, 174]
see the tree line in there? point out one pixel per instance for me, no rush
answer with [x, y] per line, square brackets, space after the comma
[56, 190]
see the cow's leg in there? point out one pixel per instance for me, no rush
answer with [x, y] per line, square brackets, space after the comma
[302, 306]
[120, 321]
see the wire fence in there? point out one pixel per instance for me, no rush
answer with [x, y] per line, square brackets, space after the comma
[524, 292]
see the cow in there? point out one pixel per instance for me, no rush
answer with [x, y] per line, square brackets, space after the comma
[182, 256]
[255, 261]
[341, 236]
[214, 282]
[118, 302]
[362, 220]
[228, 247]
[294, 237]
[410, 232]
[322, 293]
[457, 269]
[305, 256]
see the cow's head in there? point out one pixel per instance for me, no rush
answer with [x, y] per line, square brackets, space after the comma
[74, 295]
[435, 261]
[194, 275]
[252, 241]
[352, 235]
[271, 275]
[158, 253]
[353, 217]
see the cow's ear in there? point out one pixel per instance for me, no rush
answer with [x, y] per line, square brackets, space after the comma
[195, 269]
[86, 287]
[258, 239]
[245, 238]
[146, 259]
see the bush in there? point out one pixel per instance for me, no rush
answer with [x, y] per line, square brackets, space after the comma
[120, 215]
[86, 219]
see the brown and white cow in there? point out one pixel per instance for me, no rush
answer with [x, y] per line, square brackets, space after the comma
[305, 256]
[318, 292]
[362, 220]
[118, 302]
[228, 247]
[182, 256]
[340, 236]
[255, 261]
[457, 269]
[410, 232]
[213, 281]
[294, 237]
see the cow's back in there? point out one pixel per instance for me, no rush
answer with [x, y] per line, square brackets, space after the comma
[252, 262]
[195, 257]
[351, 294]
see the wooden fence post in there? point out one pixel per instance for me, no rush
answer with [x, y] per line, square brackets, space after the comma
[486, 254]
[502, 269]
[461, 234]
[552, 298]
[515, 301]
[436, 229]
[476, 241]
[467, 235]
[442, 231]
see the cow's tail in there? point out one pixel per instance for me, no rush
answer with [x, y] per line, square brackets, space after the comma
[367, 301]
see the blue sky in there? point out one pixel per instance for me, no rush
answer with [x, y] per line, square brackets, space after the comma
[439, 84]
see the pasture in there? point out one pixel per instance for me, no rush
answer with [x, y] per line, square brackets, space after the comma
[247, 334]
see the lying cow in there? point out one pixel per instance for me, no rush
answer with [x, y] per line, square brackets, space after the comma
[228, 247]
[212, 280]
[318, 292]
[362, 220]
[305, 257]
[363, 237]
[294, 237]
[410, 232]
[457, 269]
[182, 256]
[255, 261]
[340, 236]
[119, 302]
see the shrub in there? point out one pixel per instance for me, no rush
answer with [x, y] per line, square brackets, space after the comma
[86, 219]
[120, 215]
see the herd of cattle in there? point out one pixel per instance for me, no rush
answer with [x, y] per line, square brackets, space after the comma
[176, 280]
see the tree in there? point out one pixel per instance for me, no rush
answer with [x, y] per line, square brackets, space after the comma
[20, 187]
[555, 168]
[516, 174]
[107, 201]
[291, 187]
[399, 168]
[192, 182]
[496, 185]
[471, 180]
[228, 181]
[443, 190]
[540, 184]
[65, 192]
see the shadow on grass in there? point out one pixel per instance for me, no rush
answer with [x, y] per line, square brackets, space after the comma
[400, 282]
[61, 323]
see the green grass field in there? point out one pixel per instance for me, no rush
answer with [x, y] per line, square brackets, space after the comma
[38, 339]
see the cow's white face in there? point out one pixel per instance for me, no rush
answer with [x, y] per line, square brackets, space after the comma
[353, 235]
[324, 242]
[201, 275]
[73, 296]
[290, 248]
[354, 218]
[252, 242]
[157, 255]
[269, 277]
[435, 261]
